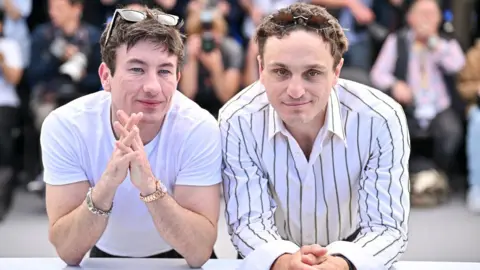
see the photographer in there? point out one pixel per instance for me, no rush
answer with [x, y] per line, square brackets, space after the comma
[10, 75]
[15, 24]
[211, 74]
[64, 59]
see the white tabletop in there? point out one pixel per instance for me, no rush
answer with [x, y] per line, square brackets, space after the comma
[112, 263]
[174, 264]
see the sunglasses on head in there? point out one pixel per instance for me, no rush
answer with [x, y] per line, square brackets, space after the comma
[288, 19]
[134, 16]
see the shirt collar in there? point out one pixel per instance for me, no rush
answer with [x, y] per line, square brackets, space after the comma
[333, 119]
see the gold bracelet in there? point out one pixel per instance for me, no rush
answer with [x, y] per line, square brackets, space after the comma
[159, 193]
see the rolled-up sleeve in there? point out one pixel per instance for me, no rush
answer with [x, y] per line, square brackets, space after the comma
[249, 206]
[384, 200]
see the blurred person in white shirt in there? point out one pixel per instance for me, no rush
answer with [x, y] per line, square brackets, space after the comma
[10, 75]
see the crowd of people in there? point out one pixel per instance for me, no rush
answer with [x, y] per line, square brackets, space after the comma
[425, 58]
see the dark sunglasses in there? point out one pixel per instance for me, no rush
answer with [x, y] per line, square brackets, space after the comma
[134, 16]
[289, 20]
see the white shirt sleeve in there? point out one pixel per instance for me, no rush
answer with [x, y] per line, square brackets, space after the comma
[12, 54]
[201, 156]
[384, 200]
[60, 152]
[249, 206]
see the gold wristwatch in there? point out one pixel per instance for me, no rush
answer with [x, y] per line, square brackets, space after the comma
[159, 193]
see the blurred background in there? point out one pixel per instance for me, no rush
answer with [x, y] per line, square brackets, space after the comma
[49, 55]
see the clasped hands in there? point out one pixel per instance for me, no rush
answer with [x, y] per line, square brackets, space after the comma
[311, 257]
[129, 155]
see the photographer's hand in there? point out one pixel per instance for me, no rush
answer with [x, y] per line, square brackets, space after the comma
[70, 50]
[212, 61]
[194, 47]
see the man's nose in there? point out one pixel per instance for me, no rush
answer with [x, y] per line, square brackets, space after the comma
[295, 88]
[152, 85]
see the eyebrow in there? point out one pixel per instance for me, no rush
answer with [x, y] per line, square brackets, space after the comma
[141, 62]
[312, 66]
[136, 61]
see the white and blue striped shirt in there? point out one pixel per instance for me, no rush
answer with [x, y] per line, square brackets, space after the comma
[356, 179]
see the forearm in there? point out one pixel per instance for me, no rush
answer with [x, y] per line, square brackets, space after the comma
[380, 75]
[247, 5]
[189, 81]
[11, 10]
[189, 233]
[219, 84]
[11, 75]
[232, 76]
[76, 233]
[251, 70]
[468, 90]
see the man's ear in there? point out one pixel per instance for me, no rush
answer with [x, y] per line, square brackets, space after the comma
[179, 75]
[337, 72]
[104, 74]
[260, 68]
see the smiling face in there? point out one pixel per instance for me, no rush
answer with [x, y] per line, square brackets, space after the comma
[424, 17]
[145, 80]
[298, 76]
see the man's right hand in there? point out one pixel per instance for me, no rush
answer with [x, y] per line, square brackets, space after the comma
[117, 167]
[402, 93]
[305, 259]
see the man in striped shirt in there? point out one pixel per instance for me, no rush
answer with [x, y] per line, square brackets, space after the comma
[315, 167]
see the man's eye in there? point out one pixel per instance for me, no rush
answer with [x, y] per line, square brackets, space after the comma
[281, 72]
[313, 73]
[165, 72]
[136, 70]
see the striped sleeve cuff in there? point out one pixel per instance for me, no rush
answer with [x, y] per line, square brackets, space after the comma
[263, 256]
[356, 255]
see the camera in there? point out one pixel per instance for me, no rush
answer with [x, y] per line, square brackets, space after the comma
[208, 39]
[74, 66]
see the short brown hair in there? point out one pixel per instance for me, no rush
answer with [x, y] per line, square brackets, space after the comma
[332, 32]
[149, 29]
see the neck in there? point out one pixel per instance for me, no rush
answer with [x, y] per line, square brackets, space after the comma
[306, 133]
[148, 131]
[71, 27]
[421, 39]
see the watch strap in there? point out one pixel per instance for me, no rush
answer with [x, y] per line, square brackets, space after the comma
[159, 193]
[93, 209]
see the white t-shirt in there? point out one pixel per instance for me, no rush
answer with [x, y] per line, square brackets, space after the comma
[77, 141]
[13, 58]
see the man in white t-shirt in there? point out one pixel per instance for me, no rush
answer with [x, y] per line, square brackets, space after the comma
[11, 70]
[134, 171]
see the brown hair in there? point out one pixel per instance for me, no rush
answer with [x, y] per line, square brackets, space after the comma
[332, 33]
[149, 29]
[193, 24]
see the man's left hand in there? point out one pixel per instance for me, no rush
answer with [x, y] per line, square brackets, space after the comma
[333, 263]
[140, 171]
[212, 60]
